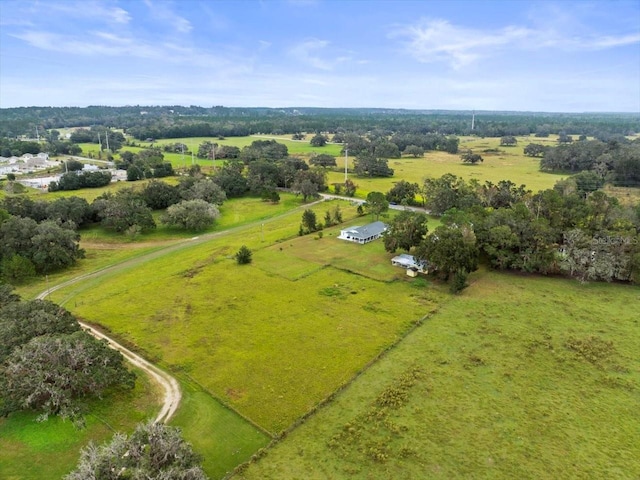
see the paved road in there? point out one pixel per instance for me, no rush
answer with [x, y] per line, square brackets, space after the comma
[360, 201]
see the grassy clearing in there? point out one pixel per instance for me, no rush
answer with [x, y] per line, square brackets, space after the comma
[32, 451]
[215, 430]
[518, 377]
[295, 147]
[509, 163]
[274, 347]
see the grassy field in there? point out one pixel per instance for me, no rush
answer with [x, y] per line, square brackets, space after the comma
[518, 377]
[500, 163]
[30, 450]
[274, 347]
[509, 163]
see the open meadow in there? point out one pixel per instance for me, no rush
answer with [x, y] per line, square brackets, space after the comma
[305, 326]
[517, 377]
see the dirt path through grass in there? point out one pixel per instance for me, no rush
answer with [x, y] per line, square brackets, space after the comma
[171, 387]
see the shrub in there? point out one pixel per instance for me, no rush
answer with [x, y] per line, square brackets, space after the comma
[243, 256]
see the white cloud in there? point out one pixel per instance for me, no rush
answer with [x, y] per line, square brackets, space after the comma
[89, 9]
[437, 40]
[307, 52]
[161, 11]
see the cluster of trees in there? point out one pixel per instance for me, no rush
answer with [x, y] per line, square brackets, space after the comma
[190, 205]
[75, 180]
[38, 237]
[310, 223]
[617, 160]
[212, 150]
[147, 163]
[556, 231]
[48, 364]
[264, 166]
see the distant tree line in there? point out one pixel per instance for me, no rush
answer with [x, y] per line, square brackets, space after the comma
[144, 122]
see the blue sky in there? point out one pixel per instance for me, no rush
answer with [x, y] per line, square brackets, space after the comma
[557, 56]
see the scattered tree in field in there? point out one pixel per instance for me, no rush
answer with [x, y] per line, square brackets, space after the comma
[564, 138]
[318, 140]
[350, 188]
[298, 136]
[414, 150]
[508, 141]
[153, 451]
[534, 150]
[54, 374]
[194, 215]
[376, 204]
[333, 217]
[323, 160]
[470, 157]
[406, 231]
[368, 165]
[309, 183]
[403, 193]
[243, 256]
[309, 222]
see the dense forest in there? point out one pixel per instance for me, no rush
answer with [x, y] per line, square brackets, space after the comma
[178, 121]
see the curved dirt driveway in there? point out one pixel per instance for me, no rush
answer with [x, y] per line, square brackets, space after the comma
[172, 394]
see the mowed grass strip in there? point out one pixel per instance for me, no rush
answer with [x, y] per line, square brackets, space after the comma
[269, 346]
[216, 432]
[32, 450]
[518, 377]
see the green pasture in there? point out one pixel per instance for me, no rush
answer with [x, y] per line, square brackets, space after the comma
[30, 450]
[517, 377]
[509, 163]
[273, 340]
[295, 147]
[218, 433]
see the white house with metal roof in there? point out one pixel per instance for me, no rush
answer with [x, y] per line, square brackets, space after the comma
[364, 234]
[410, 263]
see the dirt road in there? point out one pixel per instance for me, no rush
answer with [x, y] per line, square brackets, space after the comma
[172, 394]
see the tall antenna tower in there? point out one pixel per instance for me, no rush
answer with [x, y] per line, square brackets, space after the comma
[473, 120]
[99, 141]
[106, 134]
[37, 135]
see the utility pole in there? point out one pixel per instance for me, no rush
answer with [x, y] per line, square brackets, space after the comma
[346, 160]
[99, 141]
[106, 134]
[473, 120]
